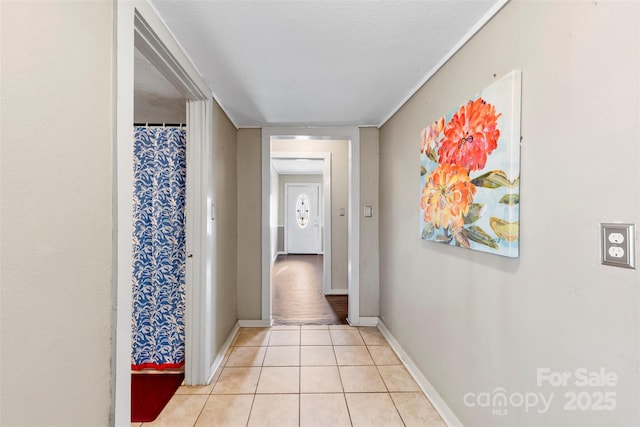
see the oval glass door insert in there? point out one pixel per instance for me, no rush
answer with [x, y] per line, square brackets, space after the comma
[302, 210]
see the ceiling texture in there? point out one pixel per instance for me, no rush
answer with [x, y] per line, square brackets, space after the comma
[320, 63]
[297, 166]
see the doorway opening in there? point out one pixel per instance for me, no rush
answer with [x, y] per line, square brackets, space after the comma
[139, 27]
[159, 250]
[337, 300]
[287, 168]
[301, 238]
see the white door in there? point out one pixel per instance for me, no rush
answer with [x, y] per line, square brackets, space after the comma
[302, 227]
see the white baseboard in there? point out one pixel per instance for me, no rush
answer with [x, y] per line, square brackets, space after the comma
[276, 255]
[223, 350]
[438, 403]
[254, 323]
[337, 292]
[365, 321]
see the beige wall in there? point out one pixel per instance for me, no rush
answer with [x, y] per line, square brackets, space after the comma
[276, 243]
[156, 100]
[473, 321]
[56, 253]
[339, 197]
[149, 108]
[249, 169]
[224, 295]
[369, 249]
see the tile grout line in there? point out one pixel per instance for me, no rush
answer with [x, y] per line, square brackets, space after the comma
[300, 376]
[385, 383]
[201, 410]
[261, 365]
[253, 399]
[255, 391]
[393, 402]
[344, 392]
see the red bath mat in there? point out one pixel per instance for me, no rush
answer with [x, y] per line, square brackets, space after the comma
[150, 393]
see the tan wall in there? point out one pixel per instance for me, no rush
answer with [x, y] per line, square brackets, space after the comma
[249, 169]
[339, 197]
[149, 108]
[369, 249]
[475, 321]
[225, 198]
[56, 215]
[276, 242]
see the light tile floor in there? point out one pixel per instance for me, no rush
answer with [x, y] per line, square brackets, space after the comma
[304, 376]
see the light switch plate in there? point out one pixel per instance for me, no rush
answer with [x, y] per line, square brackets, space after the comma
[618, 244]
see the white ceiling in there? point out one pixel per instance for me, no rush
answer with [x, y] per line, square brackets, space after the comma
[320, 63]
[298, 166]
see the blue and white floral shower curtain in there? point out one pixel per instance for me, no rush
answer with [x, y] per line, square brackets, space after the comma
[159, 248]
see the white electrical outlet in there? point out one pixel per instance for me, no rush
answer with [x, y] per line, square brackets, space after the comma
[618, 244]
[616, 238]
[616, 252]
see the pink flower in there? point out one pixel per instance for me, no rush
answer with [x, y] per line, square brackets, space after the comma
[429, 138]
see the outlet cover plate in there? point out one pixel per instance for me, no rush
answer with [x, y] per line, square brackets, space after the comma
[617, 251]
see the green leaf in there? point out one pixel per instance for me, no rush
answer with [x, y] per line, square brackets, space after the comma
[428, 231]
[431, 154]
[510, 199]
[461, 237]
[478, 235]
[495, 179]
[441, 238]
[423, 170]
[505, 230]
[475, 212]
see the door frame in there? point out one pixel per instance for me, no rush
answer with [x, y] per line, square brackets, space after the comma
[351, 134]
[326, 203]
[288, 185]
[138, 25]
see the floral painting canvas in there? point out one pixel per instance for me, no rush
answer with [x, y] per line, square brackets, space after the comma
[470, 172]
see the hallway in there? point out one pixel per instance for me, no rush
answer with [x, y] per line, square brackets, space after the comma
[305, 376]
[297, 295]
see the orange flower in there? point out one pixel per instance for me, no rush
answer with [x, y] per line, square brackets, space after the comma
[470, 136]
[447, 196]
[429, 137]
